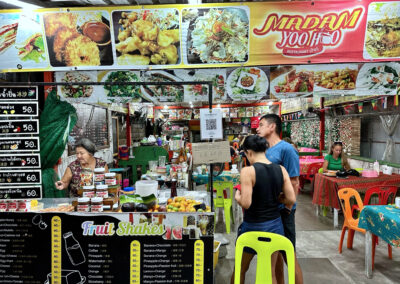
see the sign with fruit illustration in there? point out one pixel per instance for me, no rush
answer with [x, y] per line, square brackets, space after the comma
[110, 248]
[11, 127]
[19, 161]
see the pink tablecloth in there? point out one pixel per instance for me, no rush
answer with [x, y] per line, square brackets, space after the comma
[305, 163]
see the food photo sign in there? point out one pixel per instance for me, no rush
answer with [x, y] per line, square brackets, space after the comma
[199, 36]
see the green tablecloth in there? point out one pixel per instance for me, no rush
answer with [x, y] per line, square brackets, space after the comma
[382, 221]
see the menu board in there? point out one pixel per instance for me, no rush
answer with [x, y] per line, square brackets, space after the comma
[15, 144]
[19, 161]
[20, 177]
[107, 248]
[19, 192]
[19, 109]
[18, 93]
[8, 127]
[17, 103]
[92, 124]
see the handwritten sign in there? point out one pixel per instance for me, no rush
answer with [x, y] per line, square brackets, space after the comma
[19, 109]
[208, 153]
[21, 177]
[19, 161]
[8, 127]
[19, 145]
[14, 93]
[21, 192]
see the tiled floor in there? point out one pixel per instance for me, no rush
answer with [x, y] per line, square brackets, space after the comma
[317, 250]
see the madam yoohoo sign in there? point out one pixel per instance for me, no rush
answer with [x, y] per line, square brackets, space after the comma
[312, 34]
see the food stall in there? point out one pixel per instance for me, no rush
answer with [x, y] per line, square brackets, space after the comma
[176, 62]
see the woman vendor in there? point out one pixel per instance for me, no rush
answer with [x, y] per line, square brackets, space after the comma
[336, 160]
[82, 168]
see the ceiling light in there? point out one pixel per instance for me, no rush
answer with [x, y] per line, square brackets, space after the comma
[22, 4]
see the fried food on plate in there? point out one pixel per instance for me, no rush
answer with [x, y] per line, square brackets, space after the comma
[139, 27]
[167, 37]
[128, 59]
[63, 35]
[165, 55]
[81, 51]
[130, 44]
[54, 21]
[123, 35]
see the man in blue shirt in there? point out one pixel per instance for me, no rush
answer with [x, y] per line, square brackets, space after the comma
[282, 153]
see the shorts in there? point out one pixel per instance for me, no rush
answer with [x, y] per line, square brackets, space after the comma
[271, 226]
[289, 225]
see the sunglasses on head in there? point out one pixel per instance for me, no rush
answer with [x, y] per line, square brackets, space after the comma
[338, 143]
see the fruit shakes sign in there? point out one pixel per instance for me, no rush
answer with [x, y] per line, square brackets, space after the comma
[309, 32]
[309, 35]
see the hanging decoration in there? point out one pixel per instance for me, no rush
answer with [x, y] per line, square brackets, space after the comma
[384, 103]
[305, 133]
[360, 107]
[374, 105]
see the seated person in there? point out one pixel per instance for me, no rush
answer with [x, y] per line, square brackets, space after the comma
[336, 160]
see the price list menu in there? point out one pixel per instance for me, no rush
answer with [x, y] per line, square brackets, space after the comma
[19, 133]
[57, 248]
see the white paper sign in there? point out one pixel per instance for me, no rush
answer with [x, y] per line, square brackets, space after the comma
[210, 123]
[208, 153]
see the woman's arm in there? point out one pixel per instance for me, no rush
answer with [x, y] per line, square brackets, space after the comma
[346, 164]
[289, 195]
[325, 166]
[247, 178]
[106, 168]
[65, 180]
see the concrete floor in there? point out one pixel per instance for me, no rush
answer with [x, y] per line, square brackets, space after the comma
[317, 251]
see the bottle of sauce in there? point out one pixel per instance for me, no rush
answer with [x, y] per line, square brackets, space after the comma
[173, 188]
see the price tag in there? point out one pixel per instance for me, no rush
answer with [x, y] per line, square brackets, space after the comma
[19, 109]
[16, 93]
[19, 145]
[19, 161]
[21, 192]
[8, 127]
[20, 177]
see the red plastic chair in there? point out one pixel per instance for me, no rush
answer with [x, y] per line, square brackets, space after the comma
[311, 171]
[385, 194]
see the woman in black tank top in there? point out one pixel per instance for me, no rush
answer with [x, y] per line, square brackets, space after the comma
[264, 186]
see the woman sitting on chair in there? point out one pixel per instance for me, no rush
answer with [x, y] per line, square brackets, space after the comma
[264, 186]
[336, 160]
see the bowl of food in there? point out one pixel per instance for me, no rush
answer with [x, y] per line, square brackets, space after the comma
[98, 32]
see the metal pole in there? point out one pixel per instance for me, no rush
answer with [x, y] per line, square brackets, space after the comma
[210, 176]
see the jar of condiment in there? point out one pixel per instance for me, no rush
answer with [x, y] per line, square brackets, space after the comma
[88, 191]
[12, 206]
[99, 175]
[83, 204]
[110, 179]
[3, 205]
[102, 191]
[97, 204]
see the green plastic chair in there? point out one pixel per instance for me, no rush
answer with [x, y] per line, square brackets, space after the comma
[321, 170]
[265, 244]
[221, 202]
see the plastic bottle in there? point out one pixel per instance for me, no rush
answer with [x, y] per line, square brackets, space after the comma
[376, 167]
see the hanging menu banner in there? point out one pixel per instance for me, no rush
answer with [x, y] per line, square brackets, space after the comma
[11, 93]
[8, 127]
[20, 177]
[19, 109]
[13, 145]
[19, 161]
[107, 248]
[201, 36]
[18, 193]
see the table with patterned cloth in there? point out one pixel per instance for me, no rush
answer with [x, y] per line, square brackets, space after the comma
[326, 188]
[224, 176]
[305, 164]
[382, 221]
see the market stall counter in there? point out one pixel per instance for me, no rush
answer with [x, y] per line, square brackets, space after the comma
[106, 247]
